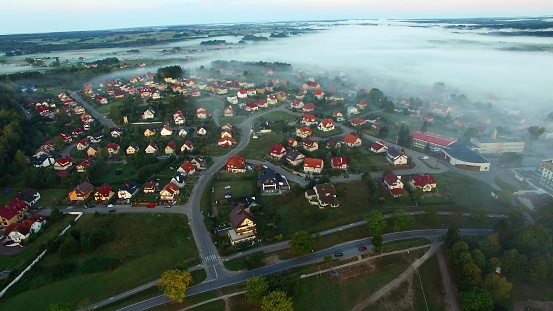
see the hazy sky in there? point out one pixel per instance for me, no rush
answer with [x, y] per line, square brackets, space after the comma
[32, 16]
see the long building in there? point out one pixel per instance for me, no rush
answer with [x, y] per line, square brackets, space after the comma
[436, 142]
[491, 145]
[463, 157]
[546, 170]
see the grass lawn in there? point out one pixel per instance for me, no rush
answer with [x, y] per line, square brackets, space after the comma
[365, 160]
[106, 108]
[232, 120]
[353, 285]
[146, 245]
[239, 303]
[260, 147]
[240, 185]
[277, 116]
[473, 195]
[523, 291]
[211, 104]
[20, 260]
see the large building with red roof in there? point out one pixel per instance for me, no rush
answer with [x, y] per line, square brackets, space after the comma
[420, 139]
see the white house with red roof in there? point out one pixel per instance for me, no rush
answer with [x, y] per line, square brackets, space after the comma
[251, 107]
[104, 193]
[319, 94]
[296, 104]
[436, 142]
[339, 163]
[178, 118]
[112, 148]
[151, 148]
[311, 165]
[359, 122]
[351, 140]
[63, 164]
[311, 85]
[338, 115]
[236, 164]
[379, 147]
[426, 182]
[226, 142]
[242, 94]
[302, 91]
[148, 114]
[262, 103]
[82, 144]
[187, 146]
[394, 184]
[308, 107]
[308, 119]
[326, 125]
[304, 132]
[201, 113]
[83, 166]
[195, 93]
[166, 130]
[277, 151]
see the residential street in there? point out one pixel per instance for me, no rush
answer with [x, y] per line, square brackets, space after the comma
[95, 114]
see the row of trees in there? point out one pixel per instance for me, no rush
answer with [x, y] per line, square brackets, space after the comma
[259, 291]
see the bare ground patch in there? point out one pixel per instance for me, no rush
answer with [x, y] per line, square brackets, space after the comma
[542, 305]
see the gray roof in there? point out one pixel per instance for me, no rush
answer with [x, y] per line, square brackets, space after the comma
[461, 152]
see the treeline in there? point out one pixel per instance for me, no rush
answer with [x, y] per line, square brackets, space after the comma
[251, 66]
[213, 42]
[12, 137]
[170, 72]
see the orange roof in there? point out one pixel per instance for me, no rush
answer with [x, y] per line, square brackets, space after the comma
[350, 139]
[235, 162]
[311, 162]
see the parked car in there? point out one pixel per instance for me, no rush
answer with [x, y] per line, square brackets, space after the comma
[212, 189]
[228, 195]
[362, 248]
[109, 205]
[167, 206]
[338, 254]
[113, 210]
[151, 205]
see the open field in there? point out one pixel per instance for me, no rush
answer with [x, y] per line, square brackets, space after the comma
[277, 116]
[105, 108]
[145, 244]
[523, 291]
[260, 147]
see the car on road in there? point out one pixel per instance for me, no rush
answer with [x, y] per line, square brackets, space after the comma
[362, 248]
[212, 189]
[346, 175]
[109, 205]
[424, 158]
[227, 187]
[228, 195]
[338, 254]
[113, 210]
[167, 206]
[151, 205]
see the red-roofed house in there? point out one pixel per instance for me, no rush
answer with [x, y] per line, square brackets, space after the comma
[63, 164]
[311, 165]
[319, 94]
[308, 107]
[103, 193]
[425, 182]
[379, 147]
[166, 131]
[151, 148]
[352, 140]
[81, 167]
[82, 144]
[296, 104]
[340, 163]
[277, 151]
[178, 118]
[394, 184]
[187, 146]
[311, 85]
[169, 192]
[338, 115]
[226, 142]
[304, 132]
[170, 148]
[251, 107]
[359, 122]
[12, 212]
[113, 149]
[326, 125]
[308, 119]
[292, 142]
[420, 139]
[236, 164]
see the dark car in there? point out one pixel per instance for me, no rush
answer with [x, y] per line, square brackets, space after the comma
[362, 248]
[338, 254]
[113, 210]
[346, 175]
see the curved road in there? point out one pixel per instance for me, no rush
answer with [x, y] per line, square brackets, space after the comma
[95, 114]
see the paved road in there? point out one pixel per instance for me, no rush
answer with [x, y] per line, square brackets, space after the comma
[95, 114]
[350, 249]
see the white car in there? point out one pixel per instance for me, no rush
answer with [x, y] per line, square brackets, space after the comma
[110, 205]
[227, 187]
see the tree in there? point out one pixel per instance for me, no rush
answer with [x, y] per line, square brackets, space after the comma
[115, 114]
[498, 286]
[376, 222]
[70, 246]
[513, 262]
[55, 215]
[476, 299]
[377, 242]
[511, 159]
[59, 306]
[479, 216]
[301, 242]
[431, 215]
[20, 158]
[401, 220]
[453, 235]
[277, 301]
[478, 258]
[173, 283]
[535, 132]
[424, 127]
[533, 238]
[256, 289]
[469, 133]
[490, 245]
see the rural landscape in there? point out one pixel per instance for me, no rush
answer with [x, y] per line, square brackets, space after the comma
[305, 165]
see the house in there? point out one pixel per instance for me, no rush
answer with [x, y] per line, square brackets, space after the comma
[226, 142]
[166, 131]
[311, 85]
[271, 182]
[277, 151]
[339, 163]
[201, 113]
[359, 122]
[326, 125]
[19, 231]
[228, 111]
[201, 130]
[251, 92]
[187, 146]
[169, 192]
[127, 190]
[294, 157]
[282, 96]
[319, 94]
[116, 133]
[333, 143]
[196, 92]
[178, 179]
[149, 132]
[66, 138]
[351, 140]
[151, 148]
[96, 138]
[187, 168]
[149, 114]
[150, 187]
[308, 107]
[170, 148]
[83, 166]
[242, 94]
[226, 133]
[251, 107]
[310, 144]
[338, 115]
[103, 193]
[12, 212]
[311, 165]
[292, 142]
[63, 164]
[396, 157]
[132, 148]
[77, 132]
[81, 192]
[434, 141]
[362, 104]
[112, 149]
[353, 111]
[233, 100]
[323, 195]
[394, 184]
[44, 160]
[265, 128]
[236, 164]
[199, 163]
[379, 147]
[308, 119]
[304, 132]
[178, 118]
[183, 131]
[296, 104]
[425, 182]
[29, 196]
[262, 103]
[272, 100]
[243, 224]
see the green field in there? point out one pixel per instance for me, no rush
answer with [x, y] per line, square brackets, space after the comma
[277, 116]
[260, 147]
[105, 108]
[145, 244]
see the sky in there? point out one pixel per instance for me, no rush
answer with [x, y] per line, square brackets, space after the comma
[39, 16]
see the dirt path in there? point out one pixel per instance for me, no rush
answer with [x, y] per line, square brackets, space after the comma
[397, 281]
[542, 305]
[225, 298]
[451, 290]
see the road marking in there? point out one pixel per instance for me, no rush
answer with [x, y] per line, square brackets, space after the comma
[210, 258]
